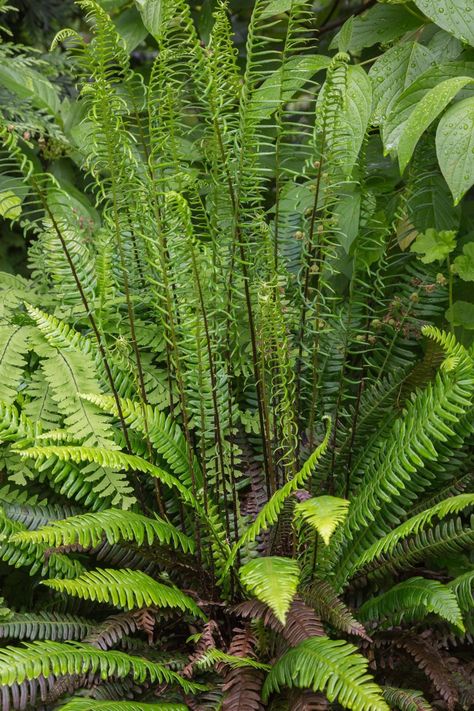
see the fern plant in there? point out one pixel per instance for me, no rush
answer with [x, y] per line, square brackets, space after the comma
[237, 385]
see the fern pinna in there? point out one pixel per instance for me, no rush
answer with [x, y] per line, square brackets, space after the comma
[236, 387]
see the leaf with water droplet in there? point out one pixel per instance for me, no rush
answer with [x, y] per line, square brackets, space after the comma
[454, 146]
[424, 113]
[394, 71]
[451, 15]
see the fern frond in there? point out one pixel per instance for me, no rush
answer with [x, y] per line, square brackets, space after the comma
[405, 699]
[217, 656]
[324, 513]
[331, 666]
[164, 434]
[324, 600]
[270, 512]
[301, 620]
[272, 580]
[94, 705]
[129, 589]
[36, 659]
[88, 530]
[45, 625]
[412, 599]
[413, 526]
[13, 347]
[110, 459]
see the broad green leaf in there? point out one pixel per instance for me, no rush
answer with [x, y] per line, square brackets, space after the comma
[464, 264]
[10, 205]
[461, 313]
[455, 16]
[324, 513]
[434, 246]
[277, 7]
[394, 71]
[400, 110]
[424, 113]
[378, 25]
[273, 580]
[130, 26]
[443, 46]
[30, 84]
[455, 147]
[151, 12]
[347, 213]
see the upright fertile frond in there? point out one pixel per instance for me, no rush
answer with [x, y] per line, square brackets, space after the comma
[88, 530]
[330, 666]
[13, 347]
[129, 589]
[30, 661]
[413, 599]
[274, 581]
[270, 512]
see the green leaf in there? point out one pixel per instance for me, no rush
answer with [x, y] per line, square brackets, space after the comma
[130, 26]
[277, 7]
[127, 589]
[434, 246]
[455, 147]
[274, 581]
[430, 106]
[329, 665]
[413, 599]
[30, 84]
[461, 313]
[455, 16]
[324, 513]
[393, 72]
[464, 264]
[378, 25]
[152, 15]
[93, 705]
[10, 205]
[402, 107]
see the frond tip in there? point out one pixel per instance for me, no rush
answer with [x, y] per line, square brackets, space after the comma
[331, 666]
[324, 513]
[274, 581]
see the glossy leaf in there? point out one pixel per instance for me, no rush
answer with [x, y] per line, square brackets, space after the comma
[455, 147]
[424, 113]
[455, 16]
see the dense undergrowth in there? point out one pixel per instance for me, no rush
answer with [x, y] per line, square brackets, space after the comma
[236, 368]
